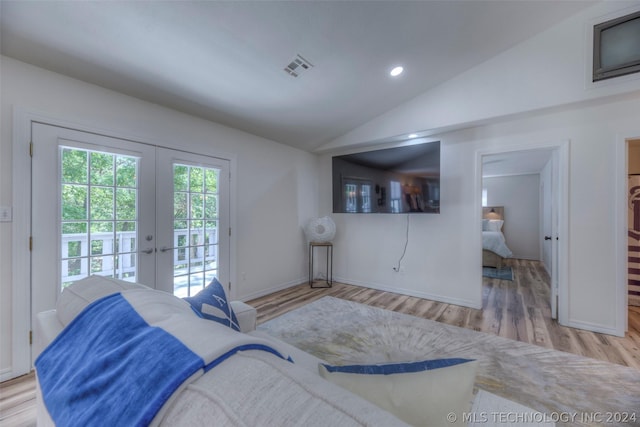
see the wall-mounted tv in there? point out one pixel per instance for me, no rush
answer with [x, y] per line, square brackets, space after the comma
[402, 179]
[616, 47]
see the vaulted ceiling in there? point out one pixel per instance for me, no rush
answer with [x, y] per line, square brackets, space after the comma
[224, 61]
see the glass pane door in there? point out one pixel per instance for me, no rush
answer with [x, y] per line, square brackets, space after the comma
[99, 214]
[193, 222]
[92, 211]
[195, 227]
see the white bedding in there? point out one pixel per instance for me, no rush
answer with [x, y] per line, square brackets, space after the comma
[494, 241]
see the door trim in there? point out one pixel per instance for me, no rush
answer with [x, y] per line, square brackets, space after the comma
[562, 148]
[621, 229]
[21, 225]
[21, 257]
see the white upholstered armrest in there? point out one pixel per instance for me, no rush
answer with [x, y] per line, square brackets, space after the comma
[47, 327]
[247, 316]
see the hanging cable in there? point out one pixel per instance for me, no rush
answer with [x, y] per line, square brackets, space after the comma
[406, 242]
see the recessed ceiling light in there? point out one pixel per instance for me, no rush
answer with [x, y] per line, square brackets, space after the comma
[396, 71]
[413, 135]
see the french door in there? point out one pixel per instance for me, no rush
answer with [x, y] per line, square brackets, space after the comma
[117, 208]
[193, 214]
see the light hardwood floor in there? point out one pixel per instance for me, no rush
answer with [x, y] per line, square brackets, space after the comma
[517, 309]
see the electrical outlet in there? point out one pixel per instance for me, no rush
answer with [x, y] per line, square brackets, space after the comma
[5, 214]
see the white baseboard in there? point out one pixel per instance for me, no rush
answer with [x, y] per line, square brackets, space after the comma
[370, 285]
[411, 293]
[272, 289]
[594, 327]
[6, 374]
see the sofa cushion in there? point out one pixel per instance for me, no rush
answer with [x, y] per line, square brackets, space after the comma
[77, 296]
[432, 392]
[247, 316]
[211, 303]
[254, 388]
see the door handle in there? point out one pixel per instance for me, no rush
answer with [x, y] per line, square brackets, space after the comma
[547, 237]
[148, 251]
[165, 249]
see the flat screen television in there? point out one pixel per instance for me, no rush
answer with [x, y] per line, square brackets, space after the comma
[616, 47]
[402, 179]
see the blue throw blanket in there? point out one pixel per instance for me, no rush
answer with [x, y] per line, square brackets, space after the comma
[85, 374]
[110, 367]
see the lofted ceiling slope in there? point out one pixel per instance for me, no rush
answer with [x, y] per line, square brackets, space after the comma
[224, 61]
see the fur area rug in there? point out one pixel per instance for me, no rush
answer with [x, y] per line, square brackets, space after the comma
[575, 389]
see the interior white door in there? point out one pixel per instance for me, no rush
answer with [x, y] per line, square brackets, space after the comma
[555, 203]
[192, 208]
[93, 210]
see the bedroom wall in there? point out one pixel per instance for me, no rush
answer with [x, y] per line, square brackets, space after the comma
[520, 196]
[276, 184]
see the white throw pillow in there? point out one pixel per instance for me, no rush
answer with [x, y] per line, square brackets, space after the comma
[427, 393]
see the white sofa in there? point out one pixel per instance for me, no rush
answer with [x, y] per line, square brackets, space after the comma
[252, 388]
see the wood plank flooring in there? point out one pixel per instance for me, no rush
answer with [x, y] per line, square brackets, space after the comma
[518, 310]
[18, 402]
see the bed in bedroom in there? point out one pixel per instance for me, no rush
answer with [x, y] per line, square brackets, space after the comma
[494, 244]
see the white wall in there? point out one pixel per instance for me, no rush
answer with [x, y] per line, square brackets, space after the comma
[443, 256]
[439, 263]
[276, 184]
[536, 92]
[520, 196]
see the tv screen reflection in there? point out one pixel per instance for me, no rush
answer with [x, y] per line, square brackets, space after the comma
[393, 180]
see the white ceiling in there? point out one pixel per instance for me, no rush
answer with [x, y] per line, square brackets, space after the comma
[515, 163]
[224, 60]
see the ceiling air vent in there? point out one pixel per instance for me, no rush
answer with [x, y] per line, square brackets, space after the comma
[298, 66]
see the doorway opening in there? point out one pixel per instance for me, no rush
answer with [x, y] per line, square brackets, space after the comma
[627, 168]
[526, 187]
[633, 223]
